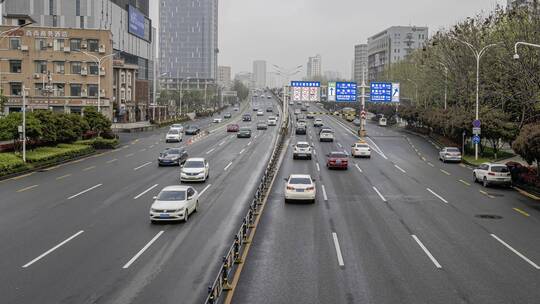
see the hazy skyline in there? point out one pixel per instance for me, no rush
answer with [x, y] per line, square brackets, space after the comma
[287, 32]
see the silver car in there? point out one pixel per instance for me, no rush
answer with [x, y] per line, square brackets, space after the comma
[448, 154]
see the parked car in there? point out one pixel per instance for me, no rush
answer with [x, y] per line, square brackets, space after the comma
[174, 203]
[233, 128]
[318, 122]
[244, 133]
[300, 130]
[326, 134]
[246, 117]
[337, 160]
[361, 149]
[302, 149]
[227, 115]
[172, 156]
[192, 130]
[357, 122]
[174, 135]
[448, 154]
[195, 170]
[262, 126]
[492, 174]
[300, 187]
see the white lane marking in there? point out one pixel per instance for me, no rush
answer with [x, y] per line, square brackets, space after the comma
[324, 193]
[379, 193]
[142, 150]
[84, 191]
[222, 143]
[359, 169]
[211, 150]
[318, 167]
[141, 166]
[145, 191]
[338, 249]
[242, 151]
[135, 257]
[227, 167]
[204, 190]
[399, 168]
[516, 252]
[378, 150]
[130, 154]
[112, 161]
[339, 145]
[445, 172]
[438, 196]
[426, 251]
[431, 164]
[314, 152]
[249, 143]
[52, 249]
[151, 146]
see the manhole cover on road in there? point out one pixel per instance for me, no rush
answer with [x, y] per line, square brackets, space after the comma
[489, 216]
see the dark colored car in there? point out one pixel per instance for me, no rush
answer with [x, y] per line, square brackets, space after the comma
[192, 130]
[303, 109]
[300, 130]
[337, 160]
[172, 157]
[269, 109]
[262, 126]
[244, 133]
[233, 128]
[310, 115]
[227, 115]
[246, 117]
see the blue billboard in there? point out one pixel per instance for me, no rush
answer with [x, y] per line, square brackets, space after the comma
[384, 92]
[136, 22]
[346, 92]
[305, 84]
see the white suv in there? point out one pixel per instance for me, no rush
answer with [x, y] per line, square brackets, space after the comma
[195, 170]
[326, 135]
[302, 149]
[488, 174]
[174, 135]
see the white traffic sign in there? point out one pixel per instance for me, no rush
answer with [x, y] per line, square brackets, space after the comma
[331, 91]
[395, 92]
[476, 131]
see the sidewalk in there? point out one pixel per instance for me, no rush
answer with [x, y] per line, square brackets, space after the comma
[132, 127]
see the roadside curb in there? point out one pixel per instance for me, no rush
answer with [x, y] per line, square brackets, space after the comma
[525, 193]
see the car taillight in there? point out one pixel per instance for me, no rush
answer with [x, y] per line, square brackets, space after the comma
[491, 173]
[290, 188]
[310, 188]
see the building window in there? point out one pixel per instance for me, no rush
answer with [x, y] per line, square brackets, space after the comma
[59, 67]
[82, 22]
[75, 44]
[14, 43]
[93, 45]
[122, 78]
[93, 68]
[75, 89]
[122, 94]
[129, 78]
[77, 7]
[15, 66]
[75, 67]
[92, 90]
[54, 21]
[40, 44]
[51, 7]
[16, 88]
[41, 66]
[128, 94]
[59, 89]
[39, 89]
[59, 44]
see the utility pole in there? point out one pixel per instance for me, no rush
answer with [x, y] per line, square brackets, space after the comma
[24, 123]
[363, 86]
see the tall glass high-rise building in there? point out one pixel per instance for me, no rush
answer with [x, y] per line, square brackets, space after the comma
[188, 39]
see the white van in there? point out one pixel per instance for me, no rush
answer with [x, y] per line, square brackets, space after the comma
[382, 122]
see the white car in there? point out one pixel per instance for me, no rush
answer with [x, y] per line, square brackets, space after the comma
[382, 122]
[217, 120]
[291, 103]
[260, 113]
[174, 203]
[302, 149]
[300, 187]
[491, 174]
[178, 127]
[450, 154]
[296, 111]
[195, 170]
[301, 123]
[318, 122]
[326, 135]
[174, 135]
[272, 121]
[361, 150]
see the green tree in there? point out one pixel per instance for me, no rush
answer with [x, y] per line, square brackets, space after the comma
[9, 127]
[527, 144]
[97, 122]
[241, 90]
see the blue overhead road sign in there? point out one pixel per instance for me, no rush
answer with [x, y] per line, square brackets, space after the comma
[476, 139]
[346, 91]
[305, 84]
[384, 92]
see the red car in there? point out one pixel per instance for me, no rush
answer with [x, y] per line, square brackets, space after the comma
[233, 128]
[337, 160]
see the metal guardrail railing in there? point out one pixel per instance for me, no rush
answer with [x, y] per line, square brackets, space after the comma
[233, 256]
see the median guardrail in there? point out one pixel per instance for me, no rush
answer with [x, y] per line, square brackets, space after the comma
[233, 255]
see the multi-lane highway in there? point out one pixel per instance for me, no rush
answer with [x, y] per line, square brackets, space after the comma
[80, 232]
[400, 227]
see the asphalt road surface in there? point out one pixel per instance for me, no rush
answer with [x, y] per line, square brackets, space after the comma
[80, 232]
[400, 227]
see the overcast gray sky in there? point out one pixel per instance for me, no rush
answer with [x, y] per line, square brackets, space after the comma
[286, 32]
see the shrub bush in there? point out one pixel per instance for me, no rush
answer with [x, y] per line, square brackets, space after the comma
[47, 155]
[10, 163]
[100, 143]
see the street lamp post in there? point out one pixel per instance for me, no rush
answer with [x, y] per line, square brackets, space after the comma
[181, 83]
[99, 61]
[24, 123]
[287, 74]
[445, 83]
[516, 55]
[478, 55]
[154, 93]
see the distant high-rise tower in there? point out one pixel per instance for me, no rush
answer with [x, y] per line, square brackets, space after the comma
[314, 67]
[360, 62]
[188, 39]
[259, 73]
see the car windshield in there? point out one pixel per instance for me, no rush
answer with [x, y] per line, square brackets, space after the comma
[172, 151]
[193, 164]
[173, 132]
[338, 155]
[176, 126]
[499, 169]
[192, 127]
[170, 195]
[300, 181]
[453, 150]
[326, 131]
[245, 130]
[362, 146]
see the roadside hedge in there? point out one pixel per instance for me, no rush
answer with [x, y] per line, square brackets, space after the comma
[100, 143]
[10, 163]
[47, 155]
